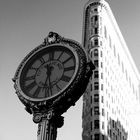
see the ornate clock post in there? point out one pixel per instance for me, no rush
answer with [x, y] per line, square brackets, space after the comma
[50, 79]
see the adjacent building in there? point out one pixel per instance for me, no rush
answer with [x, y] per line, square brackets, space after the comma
[113, 93]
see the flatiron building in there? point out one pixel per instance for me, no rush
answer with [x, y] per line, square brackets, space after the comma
[113, 93]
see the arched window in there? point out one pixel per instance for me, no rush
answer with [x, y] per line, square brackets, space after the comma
[96, 42]
[96, 52]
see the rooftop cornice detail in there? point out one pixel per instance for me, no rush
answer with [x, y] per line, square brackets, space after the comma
[108, 10]
[95, 2]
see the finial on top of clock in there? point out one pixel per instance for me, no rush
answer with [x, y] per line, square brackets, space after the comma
[52, 38]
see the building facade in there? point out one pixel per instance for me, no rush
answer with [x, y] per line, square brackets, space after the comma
[113, 93]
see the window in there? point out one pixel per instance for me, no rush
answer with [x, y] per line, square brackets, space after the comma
[96, 136]
[105, 32]
[114, 136]
[96, 42]
[91, 87]
[101, 86]
[108, 130]
[103, 137]
[96, 30]
[95, 9]
[101, 75]
[120, 134]
[101, 54]
[91, 99]
[103, 112]
[96, 52]
[91, 54]
[91, 125]
[110, 133]
[96, 74]
[96, 86]
[96, 110]
[113, 123]
[96, 18]
[91, 111]
[96, 21]
[96, 63]
[91, 137]
[96, 124]
[103, 126]
[101, 64]
[102, 100]
[92, 21]
[115, 126]
[96, 97]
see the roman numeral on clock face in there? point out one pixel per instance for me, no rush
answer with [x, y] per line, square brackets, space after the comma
[69, 68]
[67, 59]
[42, 60]
[32, 68]
[30, 78]
[37, 92]
[65, 78]
[58, 88]
[30, 86]
[51, 55]
[60, 55]
[48, 91]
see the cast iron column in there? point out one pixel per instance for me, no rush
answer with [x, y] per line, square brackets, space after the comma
[47, 125]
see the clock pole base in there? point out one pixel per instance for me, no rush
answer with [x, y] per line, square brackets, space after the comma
[47, 127]
[46, 131]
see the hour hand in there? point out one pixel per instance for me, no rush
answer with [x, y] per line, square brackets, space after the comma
[50, 84]
[47, 75]
[46, 80]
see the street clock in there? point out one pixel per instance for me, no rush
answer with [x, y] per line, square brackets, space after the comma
[53, 76]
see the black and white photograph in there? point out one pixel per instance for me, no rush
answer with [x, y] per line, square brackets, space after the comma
[70, 69]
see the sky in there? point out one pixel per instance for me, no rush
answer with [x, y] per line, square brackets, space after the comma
[23, 26]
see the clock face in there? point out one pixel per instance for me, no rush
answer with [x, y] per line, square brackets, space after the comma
[48, 72]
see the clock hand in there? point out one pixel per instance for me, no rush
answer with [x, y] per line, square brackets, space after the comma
[48, 74]
[48, 77]
[50, 84]
[46, 81]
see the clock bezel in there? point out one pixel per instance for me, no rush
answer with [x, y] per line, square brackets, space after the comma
[32, 54]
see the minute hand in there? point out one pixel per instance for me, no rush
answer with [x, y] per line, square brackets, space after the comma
[48, 73]
[49, 77]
